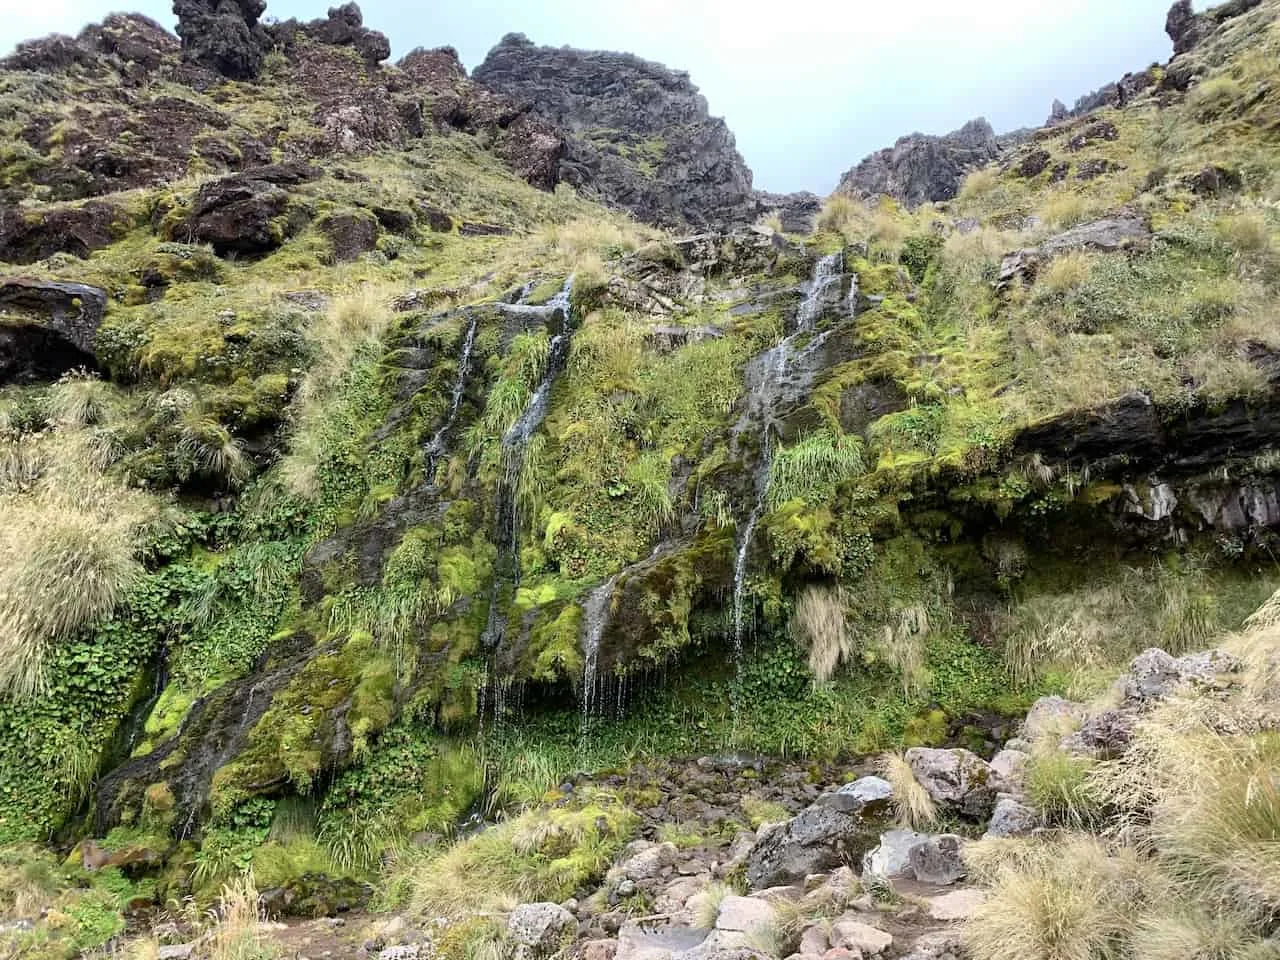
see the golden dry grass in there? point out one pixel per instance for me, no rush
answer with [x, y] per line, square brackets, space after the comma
[820, 626]
[915, 808]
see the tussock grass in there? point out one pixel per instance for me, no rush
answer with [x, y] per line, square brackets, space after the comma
[1077, 902]
[820, 625]
[1067, 272]
[914, 806]
[354, 325]
[1059, 787]
[68, 550]
[1200, 935]
[540, 855]
[705, 905]
[239, 933]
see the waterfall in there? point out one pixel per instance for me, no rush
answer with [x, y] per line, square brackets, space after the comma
[767, 384]
[827, 273]
[514, 445]
[435, 449]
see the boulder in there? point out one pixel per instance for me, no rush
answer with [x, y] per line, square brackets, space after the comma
[47, 328]
[1107, 235]
[957, 779]
[853, 934]
[1154, 674]
[1007, 769]
[28, 235]
[245, 213]
[956, 905]
[343, 27]
[1012, 818]
[1051, 718]
[540, 929]
[646, 864]
[892, 858]
[938, 860]
[813, 841]
[871, 795]
[814, 941]
[745, 914]
[1103, 736]
[352, 234]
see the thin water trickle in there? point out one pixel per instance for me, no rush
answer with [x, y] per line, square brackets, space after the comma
[596, 612]
[435, 449]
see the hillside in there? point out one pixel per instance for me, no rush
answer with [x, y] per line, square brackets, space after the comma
[429, 494]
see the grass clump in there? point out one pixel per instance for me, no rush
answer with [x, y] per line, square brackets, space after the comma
[68, 551]
[539, 855]
[239, 933]
[820, 626]
[813, 467]
[1058, 786]
[914, 806]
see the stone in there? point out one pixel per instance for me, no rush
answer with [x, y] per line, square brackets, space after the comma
[1102, 130]
[408, 951]
[177, 951]
[938, 860]
[814, 941]
[647, 863]
[937, 946]
[223, 35]
[842, 953]
[853, 934]
[245, 213]
[817, 839]
[1012, 818]
[599, 949]
[891, 858]
[1007, 769]
[1154, 674]
[745, 914]
[541, 928]
[680, 167]
[957, 779]
[923, 169]
[1213, 181]
[343, 27]
[956, 905]
[870, 794]
[1051, 718]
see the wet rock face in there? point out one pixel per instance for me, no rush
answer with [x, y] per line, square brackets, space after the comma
[639, 134]
[923, 169]
[223, 35]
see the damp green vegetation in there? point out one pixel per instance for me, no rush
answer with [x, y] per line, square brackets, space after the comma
[330, 608]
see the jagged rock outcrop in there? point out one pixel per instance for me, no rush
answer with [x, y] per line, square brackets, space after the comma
[343, 27]
[224, 35]
[923, 169]
[639, 134]
[27, 236]
[129, 39]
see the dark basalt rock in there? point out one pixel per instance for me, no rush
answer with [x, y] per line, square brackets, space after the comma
[30, 235]
[923, 169]
[1033, 164]
[797, 211]
[343, 27]
[1213, 181]
[351, 234]
[47, 328]
[245, 212]
[639, 134]
[127, 40]
[224, 35]
[1102, 130]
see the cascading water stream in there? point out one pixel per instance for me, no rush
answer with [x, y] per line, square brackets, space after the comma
[596, 612]
[766, 382]
[515, 442]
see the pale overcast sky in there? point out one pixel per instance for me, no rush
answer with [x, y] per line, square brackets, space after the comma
[808, 86]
